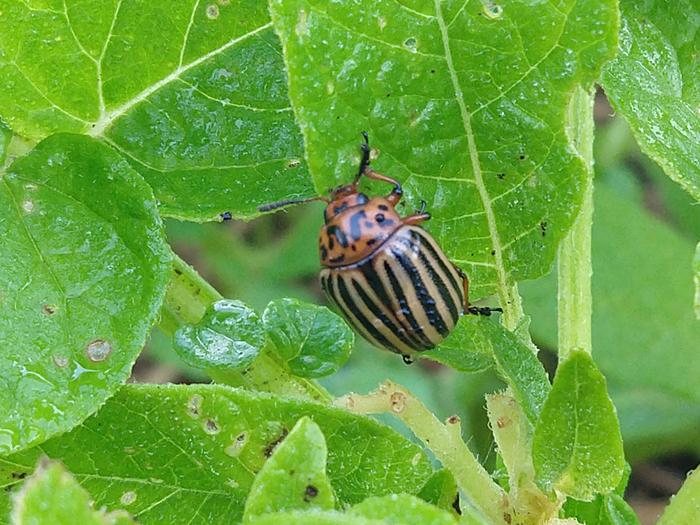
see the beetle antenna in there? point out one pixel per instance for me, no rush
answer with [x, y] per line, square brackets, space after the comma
[287, 202]
[365, 157]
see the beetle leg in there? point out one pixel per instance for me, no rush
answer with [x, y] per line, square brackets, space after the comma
[364, 163]
[465, 287]
[474, 310]
[416, 219]
[395, 196]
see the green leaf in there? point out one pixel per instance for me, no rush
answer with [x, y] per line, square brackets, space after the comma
[696, 278]
[608, 509]
[478, 342]
[402, 509]
[294, 478]
[82, 276]
[311, 339]
[577, 448]
[53, 497]
[229, 337]
[654, 82]
[645, 335]
[5, 137]
[192, 93]
[618, 511]
[180, 453]
[441, 490]
[520, 368]
[315, 518]
[467, 348]
[684, 506]
[463, 105]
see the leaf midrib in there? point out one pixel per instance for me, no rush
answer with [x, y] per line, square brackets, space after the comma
[501, 274]
[100, 126]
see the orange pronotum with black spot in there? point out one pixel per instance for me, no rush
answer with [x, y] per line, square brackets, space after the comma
[385, 274]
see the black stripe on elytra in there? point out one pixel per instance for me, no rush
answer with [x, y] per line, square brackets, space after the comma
[379, 314]
[377, 286]
[440, 258]
[416, 328]
[335, 298]
[369, 327]
[355, 228]
[324, 286]
[426, 301]
[440, 285]
[339, 234]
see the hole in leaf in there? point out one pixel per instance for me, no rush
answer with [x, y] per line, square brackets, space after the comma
[492, 10]
[210, 426]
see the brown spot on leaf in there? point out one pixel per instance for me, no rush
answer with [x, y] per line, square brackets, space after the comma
[270, 448]
[310, 493]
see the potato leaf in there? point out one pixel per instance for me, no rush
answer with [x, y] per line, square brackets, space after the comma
[228, 337]
[191, 453]
[294, 478]
[53, 497]
[465, 104]
[577, 447]
[83, 273]
[655, 83]
[192, 93]
[311, 339]
[685, 506]
[402, 509]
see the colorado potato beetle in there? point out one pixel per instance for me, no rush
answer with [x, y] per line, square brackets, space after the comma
[384, 273]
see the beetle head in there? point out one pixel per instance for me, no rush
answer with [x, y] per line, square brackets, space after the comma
[342, 198]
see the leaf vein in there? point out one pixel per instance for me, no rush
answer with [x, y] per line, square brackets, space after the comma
[107, 120]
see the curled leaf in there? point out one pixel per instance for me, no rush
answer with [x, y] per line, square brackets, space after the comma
[311, 339]
[228, 337]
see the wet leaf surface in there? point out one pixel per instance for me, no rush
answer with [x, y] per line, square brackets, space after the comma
[82, 276]
[655, 83]
[192, 452]
[577, 447]
[228, 337]
[466, 106]
[311, 339]
[192, 93]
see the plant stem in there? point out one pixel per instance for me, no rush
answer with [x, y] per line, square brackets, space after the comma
[575, 263]
[188, 297]
[476, 483]
[186, 301]
[513, 437]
